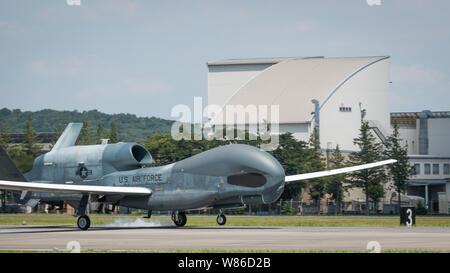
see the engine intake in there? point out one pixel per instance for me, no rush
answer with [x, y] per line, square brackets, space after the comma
[126, 156]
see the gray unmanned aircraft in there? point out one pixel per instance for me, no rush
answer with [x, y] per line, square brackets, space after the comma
[224, 177]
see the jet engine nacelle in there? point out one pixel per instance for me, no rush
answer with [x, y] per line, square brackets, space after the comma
[126, 156]
[77, 163]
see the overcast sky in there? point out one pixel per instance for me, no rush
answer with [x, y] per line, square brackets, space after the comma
[144, 57]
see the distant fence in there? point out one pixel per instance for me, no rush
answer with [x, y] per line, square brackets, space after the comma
[277, 208]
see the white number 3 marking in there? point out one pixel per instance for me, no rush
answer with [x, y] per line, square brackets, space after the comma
[409, 222]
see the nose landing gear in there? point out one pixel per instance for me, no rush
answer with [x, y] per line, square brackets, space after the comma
[149, 214]
[179, 218]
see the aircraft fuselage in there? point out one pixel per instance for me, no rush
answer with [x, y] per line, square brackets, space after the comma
[228, 176]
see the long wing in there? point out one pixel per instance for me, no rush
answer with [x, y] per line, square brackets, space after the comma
[74, 189]
[297, 177]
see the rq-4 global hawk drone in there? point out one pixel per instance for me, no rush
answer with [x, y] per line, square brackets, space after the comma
[224, 177]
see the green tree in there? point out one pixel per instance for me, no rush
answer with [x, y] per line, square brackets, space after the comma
[369, 151]
[335, 183]
[5, 138]
[22, 159]
[287, 210]
[165, 150]
[85, 137]
[58, 130]
[131, 128]
[24, 155]
[376, 192]
[113, 133]
[100, 132]
[30, 144]
[292, 155]
[400, 171]
[420, 209]
[314, 163]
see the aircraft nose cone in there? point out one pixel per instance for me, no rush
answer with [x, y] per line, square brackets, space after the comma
[275, 183]
[275, 176]
[274, 169]
[248, 170]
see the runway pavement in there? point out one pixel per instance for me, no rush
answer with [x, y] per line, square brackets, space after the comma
[224, 238]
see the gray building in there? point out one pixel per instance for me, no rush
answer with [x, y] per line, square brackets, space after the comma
[427, 135]
[44, 139]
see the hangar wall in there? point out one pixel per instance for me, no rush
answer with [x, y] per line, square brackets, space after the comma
[370, 87]
[224, 80]
[409, 137]
[291, 83]
[299, 130]
[439, 136]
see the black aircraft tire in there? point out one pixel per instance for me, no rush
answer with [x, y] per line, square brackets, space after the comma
[83, 222]
[182, 219]
[221, 219]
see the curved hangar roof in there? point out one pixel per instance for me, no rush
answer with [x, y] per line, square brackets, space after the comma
[293, 82]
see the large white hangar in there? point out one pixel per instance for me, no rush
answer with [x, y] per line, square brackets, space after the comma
[344, 88]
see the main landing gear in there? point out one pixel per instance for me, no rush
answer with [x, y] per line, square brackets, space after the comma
[83, 221]
[179, 218]
[221, 219]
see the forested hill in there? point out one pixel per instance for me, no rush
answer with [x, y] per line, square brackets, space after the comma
[129, 127]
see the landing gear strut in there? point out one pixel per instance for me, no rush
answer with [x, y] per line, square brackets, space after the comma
[221, 219]
[149, 214]
[83, 221]
[179, 218]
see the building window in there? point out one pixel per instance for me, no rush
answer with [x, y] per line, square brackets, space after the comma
[435, 169]
[427, 169]
[345, 109]
[446, 169]
[417, 168]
